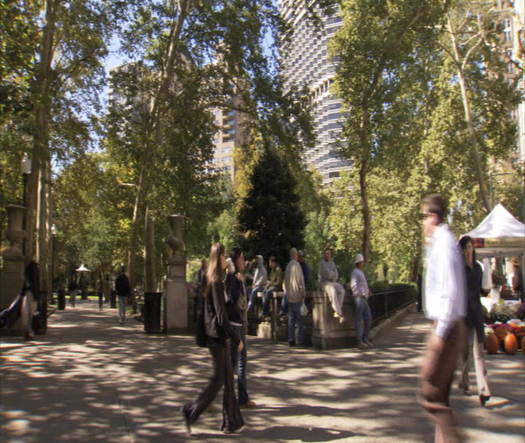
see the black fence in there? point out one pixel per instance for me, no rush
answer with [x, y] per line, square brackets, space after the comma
[384, 301]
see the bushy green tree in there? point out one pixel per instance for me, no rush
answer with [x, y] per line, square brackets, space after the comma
[270, 218]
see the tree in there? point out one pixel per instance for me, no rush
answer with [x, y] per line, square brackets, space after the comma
[270, 219]
[375, 46]
[472, 42]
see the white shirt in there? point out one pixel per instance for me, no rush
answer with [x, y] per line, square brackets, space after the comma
[328, 271]
[445, 297]
[359, 284]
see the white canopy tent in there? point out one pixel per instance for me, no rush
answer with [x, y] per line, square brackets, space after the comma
[499, 235]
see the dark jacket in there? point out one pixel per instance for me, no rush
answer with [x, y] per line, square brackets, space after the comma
[122, 286]
[216, 319]
[235, 290]
[474, 316]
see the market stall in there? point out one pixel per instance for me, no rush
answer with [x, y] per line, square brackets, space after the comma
[501, 235]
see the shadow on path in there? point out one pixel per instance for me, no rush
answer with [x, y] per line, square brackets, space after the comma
[90, 379]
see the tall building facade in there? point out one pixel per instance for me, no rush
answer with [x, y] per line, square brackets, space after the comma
[231, 135]
[305, 62]
[224, 141]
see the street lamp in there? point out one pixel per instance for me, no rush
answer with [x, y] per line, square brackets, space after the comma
[25, 169]
[81, 270]
[53, 258]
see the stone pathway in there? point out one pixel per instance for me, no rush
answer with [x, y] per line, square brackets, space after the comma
[90, 379]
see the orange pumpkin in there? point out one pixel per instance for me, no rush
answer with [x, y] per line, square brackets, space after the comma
[491, 343]
[511, 344]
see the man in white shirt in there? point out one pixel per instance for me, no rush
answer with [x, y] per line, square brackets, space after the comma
[328, 276]
[445, 304]
[361, 292]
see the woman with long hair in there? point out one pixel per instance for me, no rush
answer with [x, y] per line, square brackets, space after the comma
[474, 321]
[220, 334]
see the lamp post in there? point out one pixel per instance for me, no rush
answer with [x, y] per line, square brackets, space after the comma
[53, 259]
[25, 169]
[81, 270]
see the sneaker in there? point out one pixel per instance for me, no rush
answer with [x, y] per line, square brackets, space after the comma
[368, 343]
[187, 424]
[233, 431]
[291, 343]
[362, 345]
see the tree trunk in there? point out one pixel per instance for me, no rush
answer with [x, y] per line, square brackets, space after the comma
[133, 241]
[42, 114]
[363, 190]
[150, 279]
[474, 140]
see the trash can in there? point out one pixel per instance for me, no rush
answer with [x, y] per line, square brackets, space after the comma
[152, 302]
[61, 304]
[113, 299]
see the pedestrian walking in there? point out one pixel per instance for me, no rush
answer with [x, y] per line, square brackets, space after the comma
[21, 311]
[361, 292]
[474, 323]
[445, 304]
[100, 293]
[295, 292]
[123, 290]
[219, 332]
[328, 276]
[72, 289]
[237, 313]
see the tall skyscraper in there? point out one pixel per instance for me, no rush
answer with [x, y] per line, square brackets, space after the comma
[305, 61]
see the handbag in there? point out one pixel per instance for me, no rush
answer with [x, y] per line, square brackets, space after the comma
[304, 310]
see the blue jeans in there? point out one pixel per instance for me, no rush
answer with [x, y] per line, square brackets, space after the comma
[363, 319]
[253, 296]
[267, 297]
[295, 323]
[122, 300]
[239, 364]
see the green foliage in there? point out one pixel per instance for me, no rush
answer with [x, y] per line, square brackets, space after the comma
[270, 219]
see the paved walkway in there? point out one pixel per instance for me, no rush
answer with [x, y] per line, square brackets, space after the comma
[90, 379]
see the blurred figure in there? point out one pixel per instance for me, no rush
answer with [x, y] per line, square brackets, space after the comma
[328, 276]
[238, 315]
[474, 322]
[274, 284]
[219, 331]
[259, 280]
[123, 292]
[445, 304]
[361, 292]
[517, 280]
[295, 292]
[306, 269]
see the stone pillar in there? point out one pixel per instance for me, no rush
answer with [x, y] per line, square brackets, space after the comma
[176, 294]
[328, 332]
[12, 274]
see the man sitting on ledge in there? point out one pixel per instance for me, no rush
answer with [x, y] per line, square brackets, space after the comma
[328, 277]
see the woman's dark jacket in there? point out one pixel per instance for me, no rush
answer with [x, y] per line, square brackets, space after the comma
[474, 317]
[216, 319]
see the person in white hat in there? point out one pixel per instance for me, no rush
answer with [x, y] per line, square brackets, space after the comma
[361, 292]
